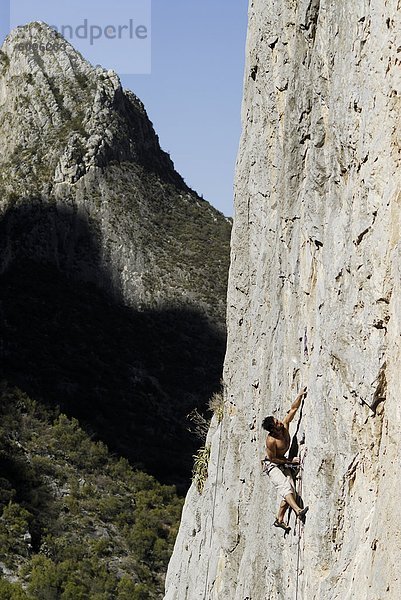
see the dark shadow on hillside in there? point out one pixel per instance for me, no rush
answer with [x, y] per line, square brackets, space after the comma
[130, 377]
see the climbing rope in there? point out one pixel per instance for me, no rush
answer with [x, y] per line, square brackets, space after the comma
[294, 444]
[299, 524]
[213, 511]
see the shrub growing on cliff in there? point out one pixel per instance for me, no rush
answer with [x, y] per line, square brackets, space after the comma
[216, 405]
[199, 425]
[201, 465]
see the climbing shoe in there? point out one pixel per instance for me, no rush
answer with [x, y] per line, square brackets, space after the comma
[301, 515]
[282, 525]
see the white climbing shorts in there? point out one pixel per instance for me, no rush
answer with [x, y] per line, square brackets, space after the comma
[281, 477]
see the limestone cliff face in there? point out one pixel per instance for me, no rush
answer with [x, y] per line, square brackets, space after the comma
[314, 298]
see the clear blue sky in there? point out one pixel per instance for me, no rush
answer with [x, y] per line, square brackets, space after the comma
[193, 94]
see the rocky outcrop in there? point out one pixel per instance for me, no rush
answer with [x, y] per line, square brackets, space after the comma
[314, 299]
[72, 137]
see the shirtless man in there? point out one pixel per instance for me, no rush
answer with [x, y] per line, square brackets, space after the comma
[277, 444]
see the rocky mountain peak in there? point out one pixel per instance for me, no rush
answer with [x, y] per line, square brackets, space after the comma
[52, 100]
[65, 122]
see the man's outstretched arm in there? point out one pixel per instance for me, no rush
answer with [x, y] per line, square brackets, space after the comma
[296, 404]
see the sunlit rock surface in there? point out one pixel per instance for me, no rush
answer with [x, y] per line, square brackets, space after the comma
[314, 299]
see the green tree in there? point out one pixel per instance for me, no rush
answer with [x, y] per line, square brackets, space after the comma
[11, 591]
[44, 581]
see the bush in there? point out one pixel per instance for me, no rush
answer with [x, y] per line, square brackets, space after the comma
[216, 405]
[11, 591]
[76, 522]
[14, 526]
[201, 465]
[126, 589]
[45, 581]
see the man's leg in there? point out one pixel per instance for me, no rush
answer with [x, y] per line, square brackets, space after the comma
[290, 499]
[282, 510]
[285, 488]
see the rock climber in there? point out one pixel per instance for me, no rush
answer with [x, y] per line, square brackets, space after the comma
[275, 465]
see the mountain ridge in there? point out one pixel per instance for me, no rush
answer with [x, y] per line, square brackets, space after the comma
[91, 205]
[86, 123]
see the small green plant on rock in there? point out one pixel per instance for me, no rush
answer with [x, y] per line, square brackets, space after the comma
[200, 468]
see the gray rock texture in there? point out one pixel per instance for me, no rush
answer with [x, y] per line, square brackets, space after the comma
[314, 299]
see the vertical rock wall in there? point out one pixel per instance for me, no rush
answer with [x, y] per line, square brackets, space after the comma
[315, 299]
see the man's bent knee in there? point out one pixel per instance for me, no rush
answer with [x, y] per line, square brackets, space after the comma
[289, 497]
